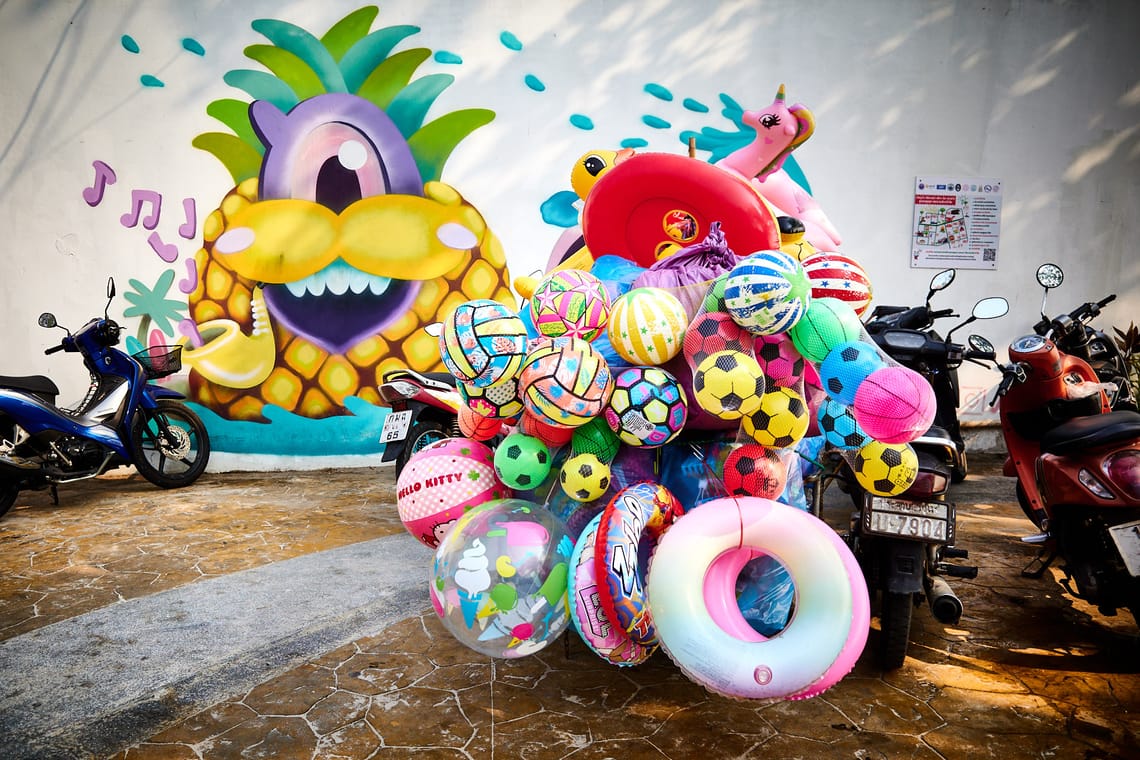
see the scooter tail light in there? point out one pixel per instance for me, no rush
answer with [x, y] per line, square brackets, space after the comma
[928, 484]
[1089, 481]
[1123, 469]
[399, 389]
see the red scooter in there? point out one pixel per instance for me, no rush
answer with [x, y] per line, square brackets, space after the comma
[425, 409]
[1077, 465]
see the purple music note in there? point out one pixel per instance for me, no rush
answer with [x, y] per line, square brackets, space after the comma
[187, 285]
[168, 252]
[104, 175]
[138, 198]
[190, 226]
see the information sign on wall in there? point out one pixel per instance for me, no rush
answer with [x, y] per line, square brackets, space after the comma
[957, 223]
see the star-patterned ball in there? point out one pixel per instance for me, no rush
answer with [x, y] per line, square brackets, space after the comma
[647, 326]
[573, 303]
[767, 292]
[835, 275]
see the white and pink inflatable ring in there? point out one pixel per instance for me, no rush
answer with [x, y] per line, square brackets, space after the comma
[691, 587]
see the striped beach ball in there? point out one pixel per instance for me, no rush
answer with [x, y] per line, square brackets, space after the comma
[482, 342]
[647, 326]
[835, 275]
[767, 292]
[571, 302]
[564, 382]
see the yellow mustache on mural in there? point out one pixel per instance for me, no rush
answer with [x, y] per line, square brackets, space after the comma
[286, 240]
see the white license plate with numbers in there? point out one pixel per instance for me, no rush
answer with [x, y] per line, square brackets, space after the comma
[931, 521]
[396, 426]
[1127, 540]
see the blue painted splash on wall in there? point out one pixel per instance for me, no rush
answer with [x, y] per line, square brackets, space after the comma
[151, 81]
[655, 121]
[129, 44]
[559, 209]
[534, 83]
[658, 92]
[695, 105]
[510, 41]
[286, 434]
[582, 122]
[446, 56]
[192, 45]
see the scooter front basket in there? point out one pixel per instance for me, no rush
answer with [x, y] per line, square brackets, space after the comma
[160, 361]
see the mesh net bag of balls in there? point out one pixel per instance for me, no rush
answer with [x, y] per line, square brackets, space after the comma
[566, 402]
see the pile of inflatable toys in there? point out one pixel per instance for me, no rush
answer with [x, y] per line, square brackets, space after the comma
[634, 438]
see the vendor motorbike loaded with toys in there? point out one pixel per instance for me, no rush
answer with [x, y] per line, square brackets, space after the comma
[1075, 457]
[123, 420]
[903, 542]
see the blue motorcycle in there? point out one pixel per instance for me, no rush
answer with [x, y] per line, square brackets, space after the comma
[123, 420]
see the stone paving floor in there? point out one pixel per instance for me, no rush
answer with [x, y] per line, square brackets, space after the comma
[1028, 673]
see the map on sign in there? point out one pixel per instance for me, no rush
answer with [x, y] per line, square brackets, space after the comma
[957, 223]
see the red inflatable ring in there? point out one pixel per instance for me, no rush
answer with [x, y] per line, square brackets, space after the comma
[653, 200]
[644, 510]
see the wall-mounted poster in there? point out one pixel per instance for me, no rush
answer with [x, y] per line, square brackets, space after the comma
[957, 223]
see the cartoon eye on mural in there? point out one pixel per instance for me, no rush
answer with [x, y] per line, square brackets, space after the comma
[339, 241]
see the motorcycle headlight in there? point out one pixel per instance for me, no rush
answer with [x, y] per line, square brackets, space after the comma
[1123, 469]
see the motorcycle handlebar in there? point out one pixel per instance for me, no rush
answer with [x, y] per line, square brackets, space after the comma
[53, 349]
[1011, 374]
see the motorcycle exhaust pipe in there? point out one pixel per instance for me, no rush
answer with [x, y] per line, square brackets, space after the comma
[944, 603]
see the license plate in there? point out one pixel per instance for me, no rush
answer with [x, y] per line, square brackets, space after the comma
[396, 426]
[1127, 540]
[931, 521]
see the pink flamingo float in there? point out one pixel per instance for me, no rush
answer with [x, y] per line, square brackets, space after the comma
[780, 129]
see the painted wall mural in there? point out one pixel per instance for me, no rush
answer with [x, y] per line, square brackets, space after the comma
[339, 241]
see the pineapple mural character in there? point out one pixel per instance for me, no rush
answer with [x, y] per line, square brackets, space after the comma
[339, 241]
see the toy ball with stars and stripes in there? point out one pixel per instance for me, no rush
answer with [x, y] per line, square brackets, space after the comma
[571, 302]
[647, 326]
[767, 292]
[834, 275]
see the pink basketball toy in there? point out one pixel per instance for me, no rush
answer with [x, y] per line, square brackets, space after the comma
[441, 482]
[894, 405]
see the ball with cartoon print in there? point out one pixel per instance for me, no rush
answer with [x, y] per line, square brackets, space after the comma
[482, 342]
[499, 578]
[443, 480]
[564, 382]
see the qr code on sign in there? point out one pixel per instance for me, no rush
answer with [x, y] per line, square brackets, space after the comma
[989, 254]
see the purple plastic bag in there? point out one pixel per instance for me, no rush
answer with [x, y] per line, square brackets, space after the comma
[698, 263]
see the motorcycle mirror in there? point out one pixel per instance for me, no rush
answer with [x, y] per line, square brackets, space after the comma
[47, 319]
[1050, 276]
[110, 295]
[980, 344]
[991, 308]
[940, 281]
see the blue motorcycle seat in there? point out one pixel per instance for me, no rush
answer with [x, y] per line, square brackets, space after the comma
[1093, 431]
[37, 384]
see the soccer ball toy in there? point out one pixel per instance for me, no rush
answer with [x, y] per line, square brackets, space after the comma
[767, 292]
[846, 366]
[781, 421]
[827, 323]
[712, 332]
[584, 477]
[782, 363]
[728, 384]
[753, 470]
[647, 326]
[564, 381]
[571, 302]
[522, 461]
[885, 469]
[482, 342]
[648, 407]
[834, 275]
[500, 401]
[895, 404]
[838, 426]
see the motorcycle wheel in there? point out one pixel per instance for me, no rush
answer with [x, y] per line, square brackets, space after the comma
[8, 494]
[423, 434]
[894, 623]
[169, 463]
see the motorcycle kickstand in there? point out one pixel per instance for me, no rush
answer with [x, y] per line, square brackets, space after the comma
[1044, 561]
[54, 495]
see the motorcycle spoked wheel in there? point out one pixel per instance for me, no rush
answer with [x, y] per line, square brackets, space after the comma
[423, 434]
[169, 462]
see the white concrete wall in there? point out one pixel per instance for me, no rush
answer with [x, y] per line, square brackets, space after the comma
[1043, 95]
